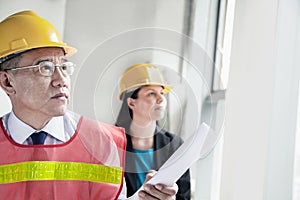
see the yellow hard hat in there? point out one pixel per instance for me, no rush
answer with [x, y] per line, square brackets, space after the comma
[139, 75]
[26, 30]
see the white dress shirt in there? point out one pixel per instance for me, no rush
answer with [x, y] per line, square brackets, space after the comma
[59, 129]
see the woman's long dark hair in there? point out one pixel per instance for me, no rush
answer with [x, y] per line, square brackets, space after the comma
[125, 115]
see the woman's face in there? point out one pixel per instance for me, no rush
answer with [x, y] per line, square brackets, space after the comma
[150, 104]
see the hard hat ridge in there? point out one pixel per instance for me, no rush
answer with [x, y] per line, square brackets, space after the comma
[140, 75]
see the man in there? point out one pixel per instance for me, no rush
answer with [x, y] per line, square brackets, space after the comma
[48, 152]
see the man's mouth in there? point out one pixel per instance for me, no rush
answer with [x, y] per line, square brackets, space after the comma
[60, 96]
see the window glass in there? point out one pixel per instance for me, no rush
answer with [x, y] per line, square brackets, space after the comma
[296, 188]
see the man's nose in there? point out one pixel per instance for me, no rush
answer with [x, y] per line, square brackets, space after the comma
[59, 78]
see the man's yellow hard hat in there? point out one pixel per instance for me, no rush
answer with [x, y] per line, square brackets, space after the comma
[26, 30]
[139, 75]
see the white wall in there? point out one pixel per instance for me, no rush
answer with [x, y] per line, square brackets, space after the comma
[106, 35]
[87, 25]
[261, 101]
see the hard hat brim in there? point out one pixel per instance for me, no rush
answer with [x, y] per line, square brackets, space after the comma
[167, 88]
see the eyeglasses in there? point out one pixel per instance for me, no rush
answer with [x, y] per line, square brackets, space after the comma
[46, 68]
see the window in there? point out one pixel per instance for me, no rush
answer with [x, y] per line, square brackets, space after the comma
[296, 184]
[212, 29]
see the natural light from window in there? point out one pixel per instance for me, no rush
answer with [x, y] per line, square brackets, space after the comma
[296, 187]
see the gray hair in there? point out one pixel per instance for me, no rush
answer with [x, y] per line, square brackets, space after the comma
[11, 63]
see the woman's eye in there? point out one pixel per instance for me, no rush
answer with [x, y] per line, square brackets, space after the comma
[151, 94]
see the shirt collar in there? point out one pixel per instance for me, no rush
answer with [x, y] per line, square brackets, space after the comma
[20, 131]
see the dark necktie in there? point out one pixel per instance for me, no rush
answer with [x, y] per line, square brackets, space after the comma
[39, 137]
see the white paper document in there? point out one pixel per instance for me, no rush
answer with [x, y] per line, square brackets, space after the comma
[195, 147]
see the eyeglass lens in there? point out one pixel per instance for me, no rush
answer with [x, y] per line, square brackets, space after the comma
[47, 68]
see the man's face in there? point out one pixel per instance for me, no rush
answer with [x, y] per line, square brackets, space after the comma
[36, 95]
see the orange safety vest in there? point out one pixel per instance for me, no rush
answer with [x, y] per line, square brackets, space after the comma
[89, 166]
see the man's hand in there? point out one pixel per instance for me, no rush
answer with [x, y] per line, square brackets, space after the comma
[159, 191]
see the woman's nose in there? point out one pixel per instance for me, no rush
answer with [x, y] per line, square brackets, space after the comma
[160, 98]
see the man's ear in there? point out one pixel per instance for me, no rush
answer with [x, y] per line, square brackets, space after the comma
[6, 82]
[131, 103]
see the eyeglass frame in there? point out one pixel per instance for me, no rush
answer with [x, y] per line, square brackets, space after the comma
[72, 67]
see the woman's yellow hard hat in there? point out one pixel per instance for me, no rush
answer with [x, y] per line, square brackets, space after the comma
[139, 75]
[26, 30]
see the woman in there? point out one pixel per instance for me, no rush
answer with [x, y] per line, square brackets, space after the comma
[142, 90]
